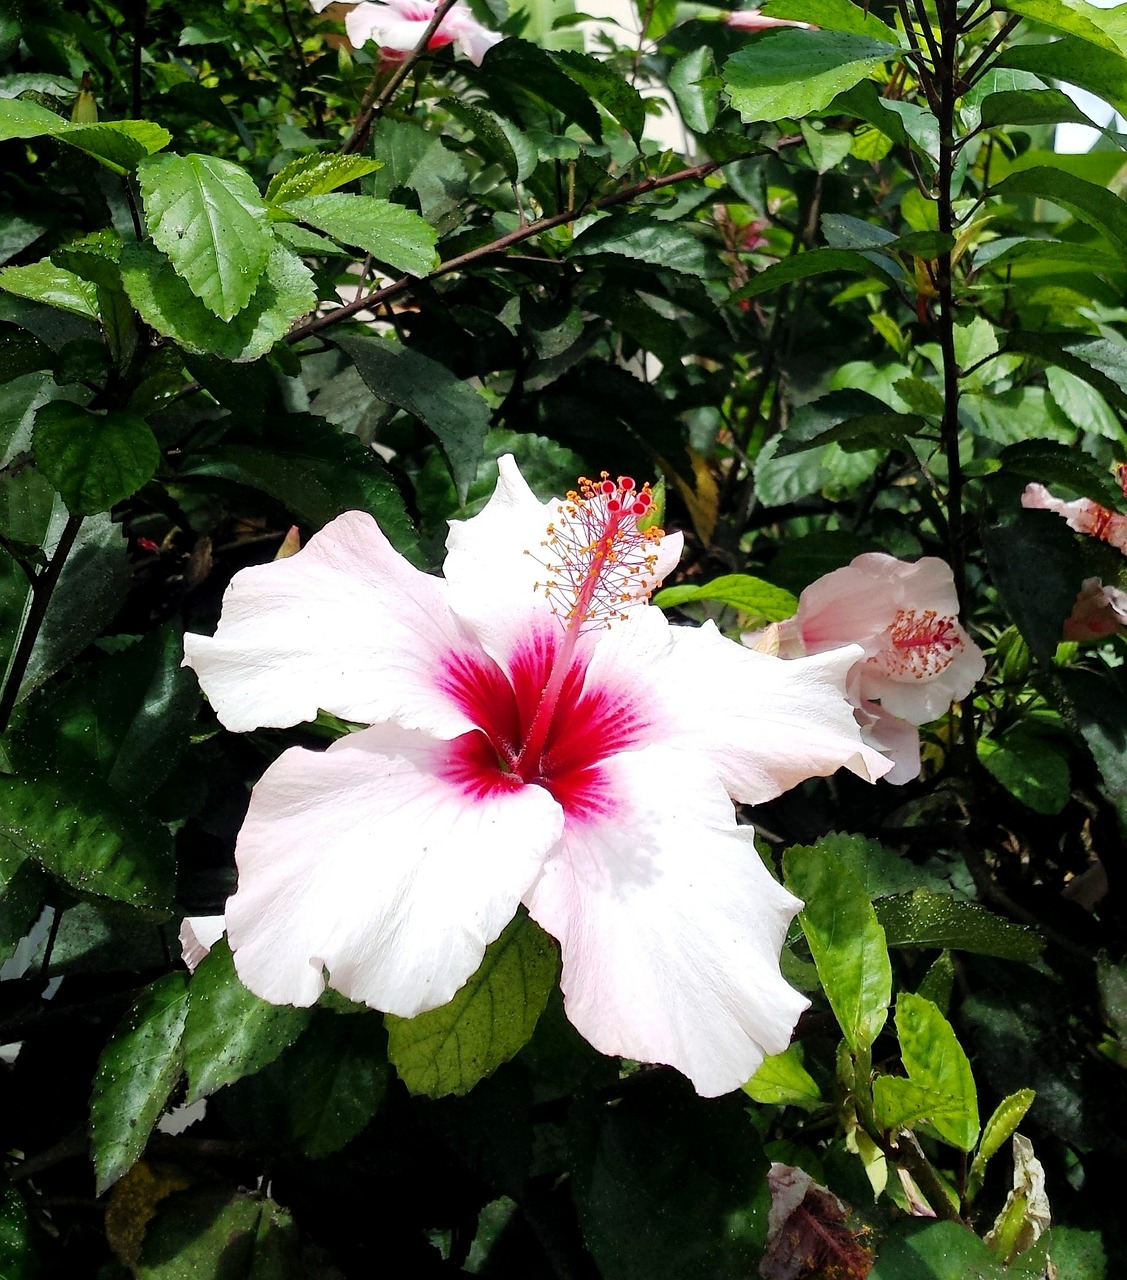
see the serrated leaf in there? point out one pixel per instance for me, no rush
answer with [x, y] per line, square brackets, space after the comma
[317, 175]
[750, 595]
[521, 65]
[93, 459]
[44, 282]
[789, 74]
[136, 1074]
[1051, 463]
[213, 1233]
[645, 239]
[1008, 1114]
[450, 1049]
[1032, 768]
[165, 303]
[833, 15]
[923, 918]
[846, 941]
[1101, 362]
[1100, 208]
[88, 837]
[118, 144]
[616, 95]
[230, 1032]
[855, 420]
[389, 232]
[940, 1086]
[782, 1080]
[449, 407]
[206, 216]
[498, 138]
[815, 262]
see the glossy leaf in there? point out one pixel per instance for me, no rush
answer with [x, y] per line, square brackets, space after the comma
[1098, 361]
[136, 1074]
[749, 595]
[696, 84]
[1008, 1114]
[815, 262]
[316, 175]
[206, 216]
[853, 419]
[1088, 66]
[793, 73]
[118, 144]
[923, 918]
[833, 15]
[1071, 17]
[522, 66]
[450, 1049]
[1092, 204]
[94, 460]
[937, 1250]
[1031, 106]
[614, 94]
[782, 1080]
[846, 941]
[644, 239]
[230, 1032]
[44, 282]
[499, 139]
[389, 232]
[18, 1257]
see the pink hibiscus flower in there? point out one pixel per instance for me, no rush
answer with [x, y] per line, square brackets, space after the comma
[1082, 514]
[755, 20]
[397, 26]
[538, 734]
[1099, 612]
[917, 659]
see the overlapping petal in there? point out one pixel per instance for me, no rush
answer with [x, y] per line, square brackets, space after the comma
[670, 926]
[345, 626]
[369, 861]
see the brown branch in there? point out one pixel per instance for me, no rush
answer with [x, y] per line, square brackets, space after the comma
[373, 105]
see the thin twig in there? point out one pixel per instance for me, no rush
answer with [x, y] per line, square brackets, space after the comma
[374, 104]
[979, 67]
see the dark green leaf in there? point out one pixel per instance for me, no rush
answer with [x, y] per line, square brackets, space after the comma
[1030, 767]
[389, 232]
[18, 1258]
[94, 460]
[88, 837]
[846, 940]
[118, 144]
[1098, 70]
[853, 419]
[815, 262]
[1031, 106]
[926, 919]
[790, 73]
[206, 216]
[169, 306]
[136, 1073]
[316, 175]
[1092, 204]
[230, 1032]
[1097, 706]
[1101, 362]
[450, 1049]
[644, 239]
[520, 65]
[414, 158]
[449, 407]
[21, 352]
[1057, 464]
[616, 95]
[23, 890]
[937, 1250]
[499, 139]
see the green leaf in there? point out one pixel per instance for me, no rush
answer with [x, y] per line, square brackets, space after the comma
[1094, 205]
[522, 66]
[118, 144]
[1083, 405]
[940, 1086]
[450, 1049]
[44, 282]
[1089, 67]
[206, 216]
[1072, 18]
[1031, 106]
[750, 595]
[616, 95]
[815, 262]
[1008, 1114]
[855, 420]
[846, 941]
[230, 1032]
[833, 15]
[782, 1080]
[88, 837]
[18, 1259]
[21, 352]
[167, 304]
[136, 1073]
[211, 1233]
[389, 232]
[880, 869]
[937, 1250]
[645, 239]
[499, 139]
[695, 83]
[447, 406]
[414, 158]
[24, 888]
[1101, 362]
[1052, 463]
[316, 175]
[1031, 768]
[93, 459]
[1097, 706]
[790, 73]
[923, 918]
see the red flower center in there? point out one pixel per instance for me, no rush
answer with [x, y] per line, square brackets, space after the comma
[923, 645]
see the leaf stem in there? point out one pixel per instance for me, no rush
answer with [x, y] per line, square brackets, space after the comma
[42, 588]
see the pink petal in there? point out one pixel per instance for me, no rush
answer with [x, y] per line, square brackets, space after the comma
[670, 926]
[1099, 611]
[367, 861]
[365, 22]
[754, 20]
[346, 626]
[765, 724]
[897, 739]
[198, 934]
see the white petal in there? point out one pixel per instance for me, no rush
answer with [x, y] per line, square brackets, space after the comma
[345, 626]
[365, 22]
[765, 724]
[897, 739]
[320, 5]
[366, 861]
[670, 926]
[198, 934]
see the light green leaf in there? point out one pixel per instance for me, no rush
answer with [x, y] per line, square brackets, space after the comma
[782, 1080]
[923, 918]
[206, 216]
[448, 406]
[750, 595]
[316, 175]
[1094, 205]
[118, 144]
[833, 15]
[940, 1086]
[136, 1074]
[93, 459]
[450, 1049]
[789, 74]
[1089, 67]
[1083, 405]
[846, 941]
[167, 304]
[1008, 1114]
[230, 1032]
[1101, 362]
[390, 232]
[89, 837]
[1074, 18]
[937, 1251]
[1031, 768]
[696, 85]
[645, 239]
[44, 282]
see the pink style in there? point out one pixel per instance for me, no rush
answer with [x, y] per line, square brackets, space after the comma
[917, 659]
[538, 734]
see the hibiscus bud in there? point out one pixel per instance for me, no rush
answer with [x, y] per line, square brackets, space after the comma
[85, 109]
